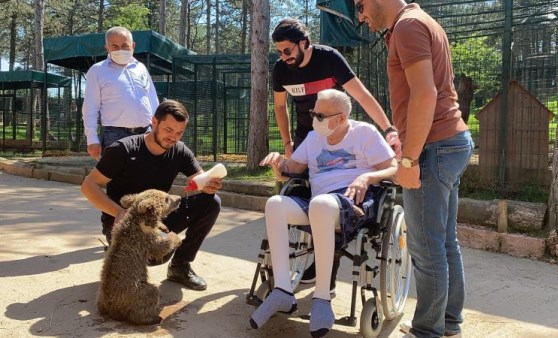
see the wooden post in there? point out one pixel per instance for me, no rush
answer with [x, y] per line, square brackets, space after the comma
[502, 216]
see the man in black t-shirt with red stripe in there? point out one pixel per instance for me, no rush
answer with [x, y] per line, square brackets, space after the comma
[302, 71]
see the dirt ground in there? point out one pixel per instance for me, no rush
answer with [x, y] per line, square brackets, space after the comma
[51, 257]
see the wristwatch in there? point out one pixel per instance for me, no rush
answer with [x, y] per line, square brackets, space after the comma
[408, 163]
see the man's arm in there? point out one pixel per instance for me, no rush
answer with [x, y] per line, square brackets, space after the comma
[385, 170]
[280, 164]
[93, 189]
[282, 118]
[420, 116]
[90, 111]
[356, 89]
[153, 98]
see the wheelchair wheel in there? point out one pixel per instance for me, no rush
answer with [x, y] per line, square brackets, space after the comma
[395, 269]
[300, 243]
[370, 319]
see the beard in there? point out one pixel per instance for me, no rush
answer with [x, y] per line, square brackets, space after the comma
[297, 60]
[159, 141]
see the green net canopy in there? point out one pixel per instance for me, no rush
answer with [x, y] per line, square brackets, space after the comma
[338, 25]
[25, 79]
[80, 52]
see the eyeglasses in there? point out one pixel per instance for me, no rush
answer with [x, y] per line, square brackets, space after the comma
[321, 116]
[359, 7]
[287, 51]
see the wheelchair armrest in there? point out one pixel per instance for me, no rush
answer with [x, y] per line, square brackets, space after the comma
[387, 184]
[302, 176]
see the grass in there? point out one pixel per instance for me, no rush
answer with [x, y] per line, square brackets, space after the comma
[239, 172]
[530, 193]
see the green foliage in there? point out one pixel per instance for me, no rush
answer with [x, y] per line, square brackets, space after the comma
[480, 59]
[132, 16]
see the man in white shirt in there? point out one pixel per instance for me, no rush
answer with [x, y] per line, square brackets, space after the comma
[121, 91]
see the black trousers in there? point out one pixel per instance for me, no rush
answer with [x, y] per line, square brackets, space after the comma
[196, 214]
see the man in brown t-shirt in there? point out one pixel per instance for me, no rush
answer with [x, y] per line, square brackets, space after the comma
[436, 146]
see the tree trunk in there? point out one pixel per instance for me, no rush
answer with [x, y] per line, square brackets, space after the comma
[208, 28]
[258, 127]
[183, 23]
[553, 198]
[38, 64]
[13, 34]
[163, 17]
[100, 16]
[244, 26]
[217, 42]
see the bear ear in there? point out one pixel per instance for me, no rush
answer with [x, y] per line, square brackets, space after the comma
[144, 207]
[128, 200]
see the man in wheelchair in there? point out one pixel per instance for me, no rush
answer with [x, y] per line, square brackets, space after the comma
[345, 159]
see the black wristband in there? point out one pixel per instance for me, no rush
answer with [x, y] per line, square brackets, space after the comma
[389, 130]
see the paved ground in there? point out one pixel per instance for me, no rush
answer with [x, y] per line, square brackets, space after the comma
[51, 258]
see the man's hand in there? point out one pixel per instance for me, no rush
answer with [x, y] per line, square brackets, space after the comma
[392, 138]
[213, 185]
[277, 163]
[408, 178]
[94, 150]
[357, 189]
[120, 215]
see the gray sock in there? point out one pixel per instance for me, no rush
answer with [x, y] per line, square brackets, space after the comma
[278, 300]
[321, 317]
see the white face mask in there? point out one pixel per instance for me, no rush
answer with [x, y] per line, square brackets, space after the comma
[321, 128]
[122, 57]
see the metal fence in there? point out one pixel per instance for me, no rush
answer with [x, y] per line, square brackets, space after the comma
[216, 91]
[26, 126]
[492, 42]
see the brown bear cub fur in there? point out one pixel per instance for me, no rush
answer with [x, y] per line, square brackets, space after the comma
[125, 293]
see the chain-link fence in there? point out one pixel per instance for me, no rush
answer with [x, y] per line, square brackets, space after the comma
[216, 91]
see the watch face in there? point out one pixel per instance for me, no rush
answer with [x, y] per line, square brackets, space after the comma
[407, 163]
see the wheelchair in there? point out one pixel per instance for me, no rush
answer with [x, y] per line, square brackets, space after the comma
[382, 239]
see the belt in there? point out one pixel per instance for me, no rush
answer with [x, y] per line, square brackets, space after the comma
[136, 130]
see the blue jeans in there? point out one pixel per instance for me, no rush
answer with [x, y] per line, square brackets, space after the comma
[431, 216]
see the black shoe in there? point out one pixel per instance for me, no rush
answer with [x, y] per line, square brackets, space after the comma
[309, 275]
[183, 274]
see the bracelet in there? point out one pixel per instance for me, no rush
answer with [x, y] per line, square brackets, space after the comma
[287, 143]
[390, 129]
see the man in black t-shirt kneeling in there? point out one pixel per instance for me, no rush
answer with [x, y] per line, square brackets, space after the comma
[152, 161]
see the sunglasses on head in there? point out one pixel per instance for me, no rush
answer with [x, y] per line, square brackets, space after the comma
[321, 116]
[359, 7]
[287, 51]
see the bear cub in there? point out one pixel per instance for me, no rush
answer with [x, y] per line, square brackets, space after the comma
[125, 293]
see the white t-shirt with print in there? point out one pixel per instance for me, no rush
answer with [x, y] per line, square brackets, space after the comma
[332, 167]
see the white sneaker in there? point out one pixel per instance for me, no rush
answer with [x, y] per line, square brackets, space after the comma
[405, 326]
[409, 335]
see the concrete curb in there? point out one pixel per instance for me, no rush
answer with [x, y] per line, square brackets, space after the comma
[253, 196]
